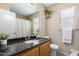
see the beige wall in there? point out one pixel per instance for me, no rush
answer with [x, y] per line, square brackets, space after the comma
[53, 28]
[5, 6]
[21, 17]
[41, 16]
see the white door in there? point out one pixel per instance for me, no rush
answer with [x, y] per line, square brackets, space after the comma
[8, 23]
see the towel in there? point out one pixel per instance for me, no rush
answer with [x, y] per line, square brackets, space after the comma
[67, 35]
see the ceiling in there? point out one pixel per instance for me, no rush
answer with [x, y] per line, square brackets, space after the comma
[26, 9]
[48, 4]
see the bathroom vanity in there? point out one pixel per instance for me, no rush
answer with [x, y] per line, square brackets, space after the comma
[42, 49]
[33, 47]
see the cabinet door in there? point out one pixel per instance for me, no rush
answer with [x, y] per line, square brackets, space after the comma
[31, 52]
[45, 49]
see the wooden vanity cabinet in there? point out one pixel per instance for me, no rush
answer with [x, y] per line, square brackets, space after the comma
[39, 50]
[33, 52]
[45, 49]
[30, 52]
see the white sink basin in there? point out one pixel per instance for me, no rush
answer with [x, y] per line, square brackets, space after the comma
[43, 37]
[35, 42]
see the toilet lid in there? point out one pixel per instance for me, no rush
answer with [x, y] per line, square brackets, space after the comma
[54, 46]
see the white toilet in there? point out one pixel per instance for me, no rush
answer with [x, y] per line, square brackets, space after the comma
[54, 49]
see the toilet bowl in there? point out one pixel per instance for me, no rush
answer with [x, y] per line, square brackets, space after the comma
[54, 49]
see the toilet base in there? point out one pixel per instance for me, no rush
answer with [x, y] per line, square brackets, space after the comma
[53, 53]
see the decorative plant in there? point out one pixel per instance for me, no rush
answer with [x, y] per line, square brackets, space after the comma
[48, 12]
[34, 34]
[3, 36]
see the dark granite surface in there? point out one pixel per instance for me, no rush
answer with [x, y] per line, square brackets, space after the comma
[15, 46]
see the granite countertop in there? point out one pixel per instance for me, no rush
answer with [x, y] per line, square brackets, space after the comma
[14, 48]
